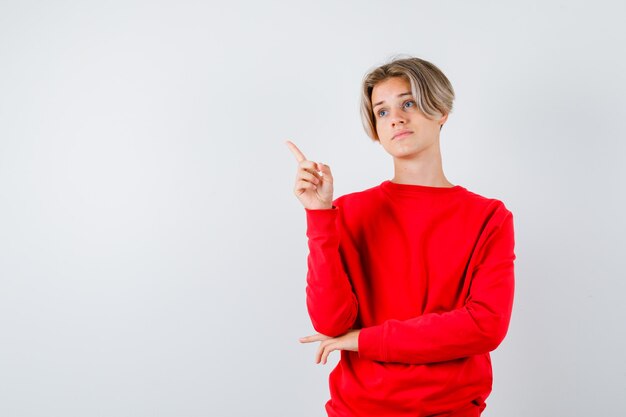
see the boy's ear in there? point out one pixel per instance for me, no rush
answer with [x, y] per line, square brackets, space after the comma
[442, 120]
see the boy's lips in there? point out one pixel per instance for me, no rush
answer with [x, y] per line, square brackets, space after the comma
[401, 134]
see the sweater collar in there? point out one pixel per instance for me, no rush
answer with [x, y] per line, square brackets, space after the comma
[387, 185]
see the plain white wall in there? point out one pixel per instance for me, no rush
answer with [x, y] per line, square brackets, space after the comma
[153, 256]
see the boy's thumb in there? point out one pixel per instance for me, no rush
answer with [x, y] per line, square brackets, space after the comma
[322, 167]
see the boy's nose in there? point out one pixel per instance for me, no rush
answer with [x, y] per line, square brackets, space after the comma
[399, 120]
[397, 117]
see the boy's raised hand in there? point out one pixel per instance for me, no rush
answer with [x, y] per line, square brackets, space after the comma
[314, 182]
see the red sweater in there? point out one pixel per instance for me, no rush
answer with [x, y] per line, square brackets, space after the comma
[427, 274]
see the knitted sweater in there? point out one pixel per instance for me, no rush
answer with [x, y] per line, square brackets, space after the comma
[427, 274]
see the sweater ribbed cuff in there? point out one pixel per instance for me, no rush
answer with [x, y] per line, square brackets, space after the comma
[371, 344]
[321, 222]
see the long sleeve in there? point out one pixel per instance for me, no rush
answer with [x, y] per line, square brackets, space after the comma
[330, 301]
[477, 327]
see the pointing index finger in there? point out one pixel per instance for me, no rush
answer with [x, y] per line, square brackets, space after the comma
[296, 152]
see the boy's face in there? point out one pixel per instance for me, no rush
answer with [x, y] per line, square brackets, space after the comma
[397, 113]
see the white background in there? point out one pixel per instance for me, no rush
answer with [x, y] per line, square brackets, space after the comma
[153, 255]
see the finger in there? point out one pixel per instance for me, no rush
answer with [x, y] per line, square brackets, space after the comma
[309, 166]
[302, 186]
[323, 169]
[319, 352]
[313, 338]
[296, 152]
[304, 175]
[321, 349]
[329, 348]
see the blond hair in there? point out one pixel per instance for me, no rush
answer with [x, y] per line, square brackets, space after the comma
[431, 89]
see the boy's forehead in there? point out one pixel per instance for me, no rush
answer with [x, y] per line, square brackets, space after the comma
[389, 89]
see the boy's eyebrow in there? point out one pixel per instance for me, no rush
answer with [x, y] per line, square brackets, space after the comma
[399, 95]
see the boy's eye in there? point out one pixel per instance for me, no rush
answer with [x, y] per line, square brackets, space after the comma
[409, 103]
